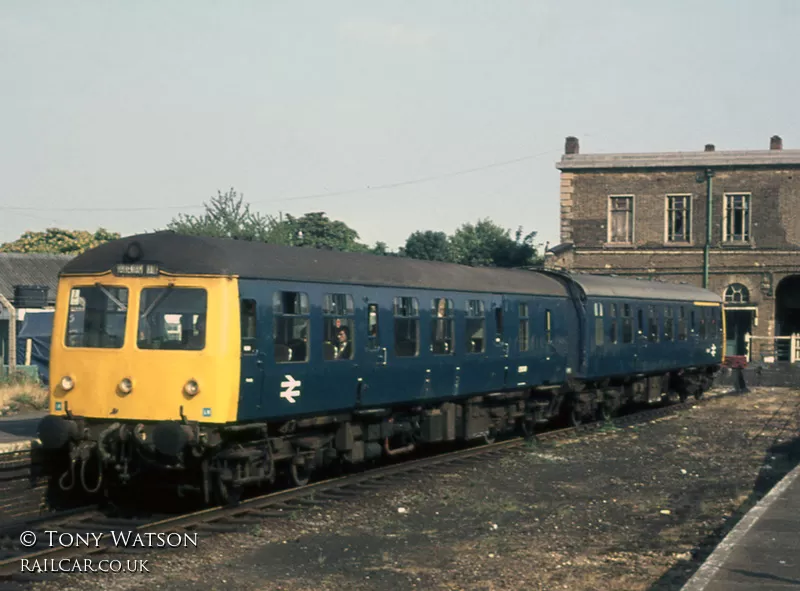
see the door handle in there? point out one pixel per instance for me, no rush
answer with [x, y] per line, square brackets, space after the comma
[259, 362]
[383, 356]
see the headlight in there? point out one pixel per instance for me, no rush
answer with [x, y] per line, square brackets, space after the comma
[191, 388]
[67, 383]
[125, 386]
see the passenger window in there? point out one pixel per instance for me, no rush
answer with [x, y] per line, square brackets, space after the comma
[694, 321]
[476, 324]
[372, 326]
[498, 323]
[612, 331]
[548, 332]
[652, 317]
[406, 327]
[338, 338]
[290, 332]
[248, 325]
[681, 324]
[523, 327]
[598, 324]
[703, 316]
[640, 314]
[627, 323]
[442, 326]
[668, 324]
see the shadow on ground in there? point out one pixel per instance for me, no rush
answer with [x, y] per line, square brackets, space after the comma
[786, 456]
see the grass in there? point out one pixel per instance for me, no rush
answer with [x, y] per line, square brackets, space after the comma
[20, 392]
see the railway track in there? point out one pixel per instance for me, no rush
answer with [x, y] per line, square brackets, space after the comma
[250, 512]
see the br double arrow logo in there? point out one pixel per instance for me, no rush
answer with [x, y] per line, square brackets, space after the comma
[289, 386]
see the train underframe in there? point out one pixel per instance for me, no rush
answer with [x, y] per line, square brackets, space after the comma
[217, 462]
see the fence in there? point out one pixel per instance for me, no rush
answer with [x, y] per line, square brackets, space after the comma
[772, 349]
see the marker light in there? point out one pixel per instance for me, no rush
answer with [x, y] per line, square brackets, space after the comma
[67, 383]
[191, 388]
[125, 386]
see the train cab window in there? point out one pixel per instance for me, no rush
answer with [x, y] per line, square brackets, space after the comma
[172, 318]
[290, 332]
[442, 326]
[612, 323]
[476, 327]
[523, 340]
[372, 326]
[406, 327]
[548, 327]
[338, 339]
[681, 323]
[599, 329]
[247, 315]
[97, 317]
[652, 323]
[627, 323]
[669, 324]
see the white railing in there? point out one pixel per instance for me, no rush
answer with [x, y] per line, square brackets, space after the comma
[772, 349]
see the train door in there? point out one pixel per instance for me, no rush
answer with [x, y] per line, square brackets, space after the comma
[440, 379]
[640, 359]
[498, 363]
[251, 352]
[375, 382]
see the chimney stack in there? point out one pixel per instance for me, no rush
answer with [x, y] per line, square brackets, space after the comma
[572, 146]
[709, 147]
[775, 143]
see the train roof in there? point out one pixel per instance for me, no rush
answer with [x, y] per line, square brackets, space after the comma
[196, 255]
[626, 287]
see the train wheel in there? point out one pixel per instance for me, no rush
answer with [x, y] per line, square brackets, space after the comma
[490, 436]
[605, 411]
[575, 417]
[299, 475]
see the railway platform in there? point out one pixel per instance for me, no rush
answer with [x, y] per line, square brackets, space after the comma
[18, 432]
[762, 552]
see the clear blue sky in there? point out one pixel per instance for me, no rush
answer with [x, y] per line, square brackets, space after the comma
[147, 104]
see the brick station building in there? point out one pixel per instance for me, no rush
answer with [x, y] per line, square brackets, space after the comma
[645, 215]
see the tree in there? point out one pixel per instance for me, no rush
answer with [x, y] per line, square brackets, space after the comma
[59, 241]
[227, 216]
[487, 244]
[317, 231]
[429, 246]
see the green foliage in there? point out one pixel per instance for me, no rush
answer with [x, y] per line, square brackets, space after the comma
[227, 216]
[429, 246]
[317, 231]
[483, 244]
[59, 241]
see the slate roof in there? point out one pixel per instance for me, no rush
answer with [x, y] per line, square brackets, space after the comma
[30, 269]
[654, 160]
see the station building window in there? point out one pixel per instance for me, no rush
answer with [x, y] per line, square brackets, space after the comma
[338, 336]
[476, 327]
[406, 327]
[291, 324]
[442, 326]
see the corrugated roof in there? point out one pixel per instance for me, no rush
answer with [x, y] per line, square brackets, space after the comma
[30, 269]
[680, 159]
